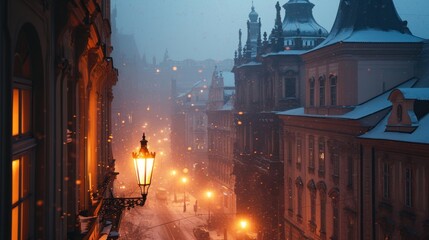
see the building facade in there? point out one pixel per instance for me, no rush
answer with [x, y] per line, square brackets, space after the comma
[221, 138]
[57, 79]
[268, 81]
[332, 178]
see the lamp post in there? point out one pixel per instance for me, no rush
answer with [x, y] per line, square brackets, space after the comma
[209, 196]
[184, 180]
[143, 163]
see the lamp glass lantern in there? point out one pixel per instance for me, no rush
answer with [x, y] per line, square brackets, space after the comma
[144, 162]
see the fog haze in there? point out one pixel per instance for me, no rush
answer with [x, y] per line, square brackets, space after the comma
[208, 29]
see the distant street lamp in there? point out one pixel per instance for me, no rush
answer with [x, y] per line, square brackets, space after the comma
[184, 180]
[209, 196]
[143, 163]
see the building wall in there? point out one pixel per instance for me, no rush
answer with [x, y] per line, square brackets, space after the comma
[391, 162]
[51, 137]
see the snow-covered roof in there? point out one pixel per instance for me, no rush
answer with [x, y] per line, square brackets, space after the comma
[252, 63]
[285, 52]
[370, 36]
[362, 110]
[420, 135]
[415, 93]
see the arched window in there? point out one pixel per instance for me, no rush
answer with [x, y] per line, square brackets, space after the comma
[313, 190]
[28, 155]
[23, 142]
[299, 187]
[321, 186]
[399, 113]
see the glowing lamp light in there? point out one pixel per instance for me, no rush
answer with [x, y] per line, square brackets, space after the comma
[143, 163]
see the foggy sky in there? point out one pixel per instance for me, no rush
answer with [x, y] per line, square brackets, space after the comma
[208, 29]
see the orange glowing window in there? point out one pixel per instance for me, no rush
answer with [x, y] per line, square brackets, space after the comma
[21, 111]
[21, 197]
[15, 113]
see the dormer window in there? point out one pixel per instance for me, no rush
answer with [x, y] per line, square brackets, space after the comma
[409, 105]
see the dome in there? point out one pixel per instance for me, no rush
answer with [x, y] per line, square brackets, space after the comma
[253, 16]
[299, 20]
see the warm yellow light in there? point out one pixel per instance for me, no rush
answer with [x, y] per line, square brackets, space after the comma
[239, 122]
[184, 180]
[174, 68]
[173, 172]
[244, 224]
[209, 194]
[240, 113]
[15, 180]
[15, 112]
[144, 168]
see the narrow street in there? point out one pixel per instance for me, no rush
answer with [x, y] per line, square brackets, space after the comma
[160, 219]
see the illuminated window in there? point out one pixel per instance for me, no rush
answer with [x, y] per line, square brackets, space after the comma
[24, 145]
[321, 156]
[21, 197]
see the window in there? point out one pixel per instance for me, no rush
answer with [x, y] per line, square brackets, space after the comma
[322, 91]
[311, 91]
[321, 156]
[321, 186]
[333, 82]
[335, 163]
[22, 196]
[399, 113]
[298, 152]
[23, 143]
[386, 180]
[311, 153]
[289, 88]
[312, 188]
[408, 187]
[290, 196]
[334, 194]
[299, 186]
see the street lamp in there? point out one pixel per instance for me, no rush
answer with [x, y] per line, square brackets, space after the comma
[143, 163]
[209, 196]
[184, 180]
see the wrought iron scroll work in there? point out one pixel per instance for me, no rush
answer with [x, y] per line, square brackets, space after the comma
[115, 206]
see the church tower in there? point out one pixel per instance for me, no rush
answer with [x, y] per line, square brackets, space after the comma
[253, 33]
